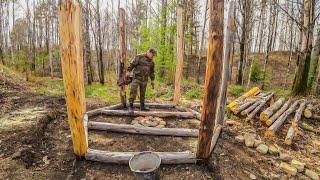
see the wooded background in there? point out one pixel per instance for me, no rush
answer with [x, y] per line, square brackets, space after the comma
[30, 40]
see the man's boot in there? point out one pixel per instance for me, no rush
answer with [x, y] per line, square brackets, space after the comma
[130, 108]
[143, 107]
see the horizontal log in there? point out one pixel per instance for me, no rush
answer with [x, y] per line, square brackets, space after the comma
[244, 106]
[126, 128]
[98, 111]
[307, 127]
[136, 105]
[162, 114]
[196, 113]
[252, 92]
[250, 108]
[278, 113]
[278, 123]
[124, 157]
[293, 129]
[266, 114]
[261, 105]
[156, 105]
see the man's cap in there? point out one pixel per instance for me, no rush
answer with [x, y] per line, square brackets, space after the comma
[153, 51]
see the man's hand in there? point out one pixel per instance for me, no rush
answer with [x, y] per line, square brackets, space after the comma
[152, 84]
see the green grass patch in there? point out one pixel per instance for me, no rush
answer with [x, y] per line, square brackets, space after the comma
[194, 93]
[236, 90]
[107, 92]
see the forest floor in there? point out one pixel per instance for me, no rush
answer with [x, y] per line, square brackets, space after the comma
[35, 140]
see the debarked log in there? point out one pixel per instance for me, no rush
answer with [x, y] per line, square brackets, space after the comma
[278, 123]
[162, 114]
[266, 114]
[308, 112]
[98, 111]
[244, 106]
[250, 108]
[279, 113]
[135, 129]
[252, 92]
[124, 157]
[293, 129]
[257, 109]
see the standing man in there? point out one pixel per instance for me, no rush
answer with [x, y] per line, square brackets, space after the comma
[143, 68]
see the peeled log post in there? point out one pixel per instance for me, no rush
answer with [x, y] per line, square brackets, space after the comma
[226, 63]
[124, 157]
[72, 70]
[266, 114]
[257, 109]
[278, 123]
[308, 112]
[180, 55]
[213, 78]
[123, 56]
[132, 129]
[279, 113]
[294, 126]
[162, 114]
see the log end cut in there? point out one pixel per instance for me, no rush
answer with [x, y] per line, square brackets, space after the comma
[307, 113]
[269, 122]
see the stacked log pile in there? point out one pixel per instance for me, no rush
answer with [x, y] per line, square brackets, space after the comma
[251, 103]
[274, 117]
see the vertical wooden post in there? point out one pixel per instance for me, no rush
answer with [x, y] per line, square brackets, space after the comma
[72, 70]
[180, 56]
[212, 79]
[227, 55]
[123, 56]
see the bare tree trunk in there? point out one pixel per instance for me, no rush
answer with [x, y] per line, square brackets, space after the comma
[1, 35]
[314, 62]
[89, 66]
[100, 52]
[202, 41]
[291, 48]
[269, 45]
[123, 56]
[213, 78]
[49, 21]
[263, 10]
[301, 77]
[163, 35]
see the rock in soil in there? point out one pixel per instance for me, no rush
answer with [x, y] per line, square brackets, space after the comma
[284, 157]
[239, 139]
[288, 169]
[311, 174]
[252, 176]
[262, 148]
[297, 164]
[249, 139]
[148, 121]
[257, 143]
[273, 150]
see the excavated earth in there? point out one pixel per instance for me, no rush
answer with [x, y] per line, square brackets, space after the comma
[35, 143]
